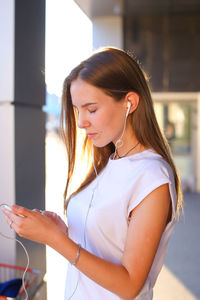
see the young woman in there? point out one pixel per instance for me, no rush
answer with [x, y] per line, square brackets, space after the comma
[121, 216]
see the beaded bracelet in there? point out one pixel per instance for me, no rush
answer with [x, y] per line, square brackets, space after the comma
[77, 256]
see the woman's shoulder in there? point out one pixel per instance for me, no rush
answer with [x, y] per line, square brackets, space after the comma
[151, 164]
[147, 161]
[148, 156]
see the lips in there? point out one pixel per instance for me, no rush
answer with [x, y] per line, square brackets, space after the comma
[91, 135]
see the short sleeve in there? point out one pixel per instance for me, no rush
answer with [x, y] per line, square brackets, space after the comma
[153, 176]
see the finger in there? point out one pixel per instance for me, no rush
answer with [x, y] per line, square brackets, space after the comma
[8, 220]
[49, 213]
[9, 213]
[11, 223]
[21, 211]
[38, 211]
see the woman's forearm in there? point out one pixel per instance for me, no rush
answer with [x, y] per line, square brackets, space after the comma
[111, 276]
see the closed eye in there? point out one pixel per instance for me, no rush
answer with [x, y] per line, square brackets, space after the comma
[92, 111]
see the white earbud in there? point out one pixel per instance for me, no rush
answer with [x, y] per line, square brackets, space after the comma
[128, 108]
[119, 143]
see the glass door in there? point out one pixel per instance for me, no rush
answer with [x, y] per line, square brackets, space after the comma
[176, 119]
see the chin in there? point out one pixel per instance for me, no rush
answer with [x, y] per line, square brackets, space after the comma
[100, 144]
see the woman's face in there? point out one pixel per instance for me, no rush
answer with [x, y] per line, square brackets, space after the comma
[99, 114]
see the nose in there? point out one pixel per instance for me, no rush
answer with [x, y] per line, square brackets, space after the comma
[82, 121]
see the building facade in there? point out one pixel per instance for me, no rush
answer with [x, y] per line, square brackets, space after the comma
[164, 36]
[22, 123]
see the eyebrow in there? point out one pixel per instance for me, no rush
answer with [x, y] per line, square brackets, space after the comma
[87, 104]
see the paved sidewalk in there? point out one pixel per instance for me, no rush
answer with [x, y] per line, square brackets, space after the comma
[180, 276]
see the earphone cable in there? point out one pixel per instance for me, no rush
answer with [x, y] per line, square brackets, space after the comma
[86, 218]
[27, 256]
[119, 143]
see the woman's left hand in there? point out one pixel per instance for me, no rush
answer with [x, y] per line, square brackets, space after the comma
[31, 224]
[56, 219]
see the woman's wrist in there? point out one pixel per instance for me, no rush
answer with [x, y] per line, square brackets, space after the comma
[77, 255]
[66, 247]
[55, 237]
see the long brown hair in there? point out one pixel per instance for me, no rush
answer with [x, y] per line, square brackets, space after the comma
[116, 73]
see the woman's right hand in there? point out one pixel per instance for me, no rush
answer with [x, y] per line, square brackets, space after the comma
[54, 218]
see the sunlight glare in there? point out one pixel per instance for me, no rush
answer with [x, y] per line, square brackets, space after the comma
[68, 41]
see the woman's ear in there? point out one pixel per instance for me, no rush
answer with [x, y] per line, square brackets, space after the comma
[133, 98]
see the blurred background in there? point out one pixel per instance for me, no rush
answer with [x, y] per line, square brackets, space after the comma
[41, 41]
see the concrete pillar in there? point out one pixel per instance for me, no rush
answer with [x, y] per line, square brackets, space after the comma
[107, 31]
[22, 122]
[198, 144]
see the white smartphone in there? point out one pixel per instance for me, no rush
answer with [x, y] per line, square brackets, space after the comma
[9, 208]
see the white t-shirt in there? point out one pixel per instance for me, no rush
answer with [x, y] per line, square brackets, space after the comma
[118, 189]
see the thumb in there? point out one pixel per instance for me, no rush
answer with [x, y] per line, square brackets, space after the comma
[20, 210]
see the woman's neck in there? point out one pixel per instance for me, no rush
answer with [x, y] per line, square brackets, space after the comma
[130, 144]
